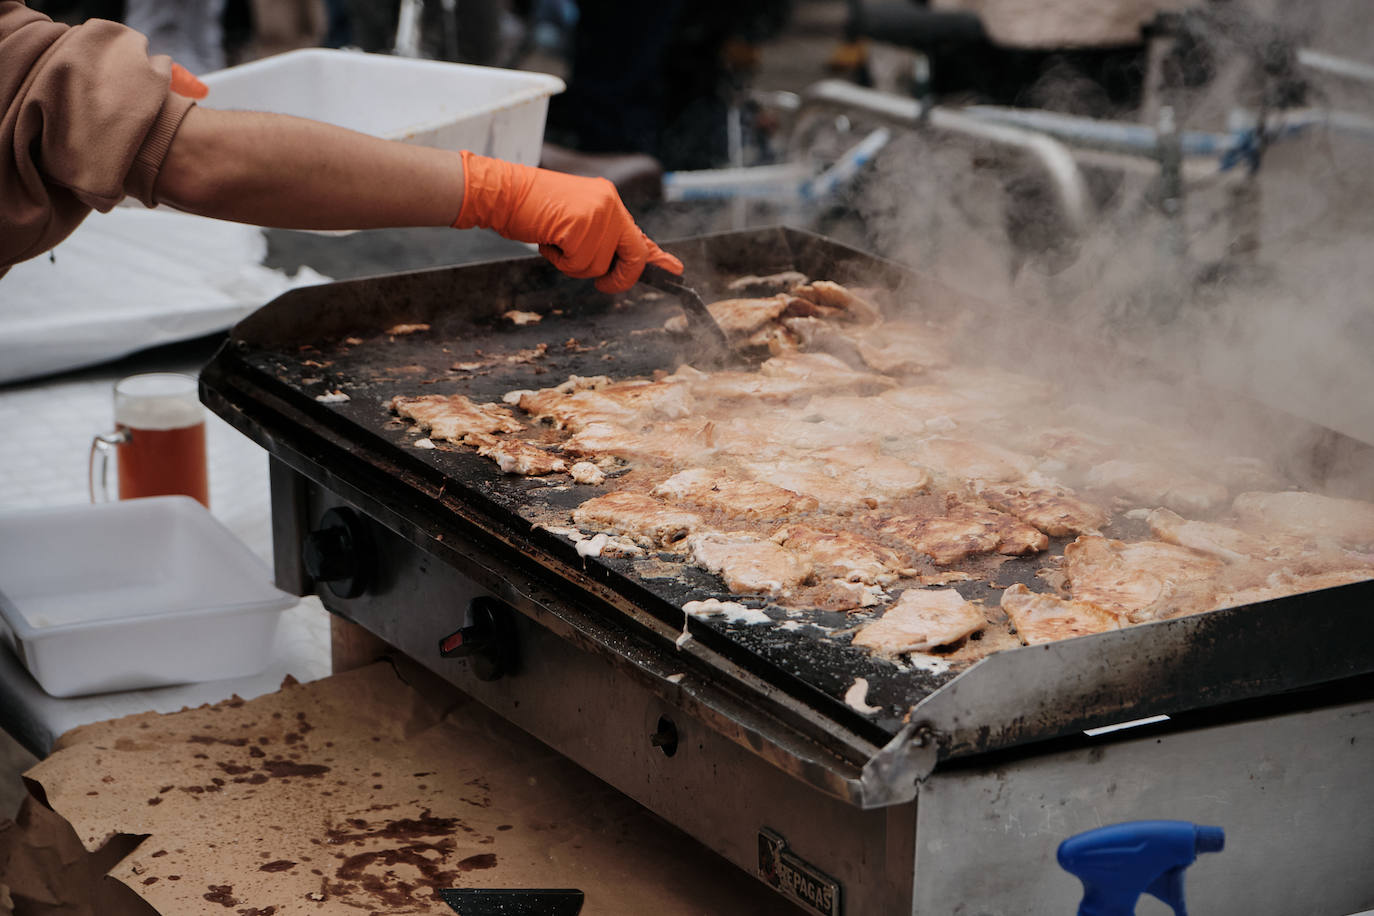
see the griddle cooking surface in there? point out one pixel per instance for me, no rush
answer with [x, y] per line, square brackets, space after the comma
[313, 343]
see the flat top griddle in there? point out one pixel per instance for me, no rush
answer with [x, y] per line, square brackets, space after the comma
[314, 343]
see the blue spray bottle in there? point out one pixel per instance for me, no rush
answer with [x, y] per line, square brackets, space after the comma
[1119, 863]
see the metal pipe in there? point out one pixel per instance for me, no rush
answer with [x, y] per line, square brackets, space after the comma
[1054, 157]
[1336, 66]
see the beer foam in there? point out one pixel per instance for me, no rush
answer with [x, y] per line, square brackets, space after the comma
[158, 413]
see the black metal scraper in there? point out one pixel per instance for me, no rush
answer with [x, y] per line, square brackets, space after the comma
[714, 347]
[475, 901]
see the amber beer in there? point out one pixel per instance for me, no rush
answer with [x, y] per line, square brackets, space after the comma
[159, 440]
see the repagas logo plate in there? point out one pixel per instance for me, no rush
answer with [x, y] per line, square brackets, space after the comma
[816, 891]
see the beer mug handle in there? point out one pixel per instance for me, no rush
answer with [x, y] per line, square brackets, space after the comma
[101, 446]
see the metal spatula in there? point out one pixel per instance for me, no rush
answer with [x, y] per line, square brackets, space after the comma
[474, 901]
[711, 341]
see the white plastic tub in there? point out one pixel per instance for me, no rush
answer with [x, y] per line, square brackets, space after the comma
[133, 594]
[488, 110]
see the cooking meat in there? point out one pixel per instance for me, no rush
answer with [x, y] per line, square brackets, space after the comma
[869, 417]
[454, 416]
[643, 518]
[921, 620]
[1072, 447]
[741, 317]
[880, 477]
[855, 307]
[824, 370]
[1144, 580]
[628, 403]
[1346, 521]
[1053, 510]
[1148, 484]
[903, 348]
[841, 554]
[781, 434]
[770, 285]
[838, 595]
[584, 472]
[516, 457]
[964, 531]
[1282, 583]
[1044, 618]
[721, 492]
[939, 408]
[966, 459]
[732, 386]
[750, 565]
[835, 492]
[684, 441]
[1206, 537]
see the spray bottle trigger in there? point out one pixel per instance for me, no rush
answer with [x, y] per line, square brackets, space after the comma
[1169, 888]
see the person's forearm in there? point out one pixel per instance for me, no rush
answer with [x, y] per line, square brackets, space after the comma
[291, 173]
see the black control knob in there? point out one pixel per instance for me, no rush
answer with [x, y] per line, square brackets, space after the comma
[490, 640]
[339, 553]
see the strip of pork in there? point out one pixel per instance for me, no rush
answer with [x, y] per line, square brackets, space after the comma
[1148, 484]
[454, 416]
[1044, 618]
[642, 518]
[921, 620]
[1347, 521]
[966, 459]
[514, 456]
[1054, 510]
[1144, 580]
[841, 554]
[719, 491]
[749, 565]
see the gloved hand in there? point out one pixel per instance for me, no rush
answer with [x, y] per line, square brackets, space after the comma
[185, 83]
[579, 223]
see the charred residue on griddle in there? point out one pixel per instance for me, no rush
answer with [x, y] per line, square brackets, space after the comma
[234, 769]
[277, 865]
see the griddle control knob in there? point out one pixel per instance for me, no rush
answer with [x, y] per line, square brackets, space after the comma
[339, 553]
[490, 639]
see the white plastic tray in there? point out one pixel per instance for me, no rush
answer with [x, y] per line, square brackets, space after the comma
[487, 110]
[133, 594]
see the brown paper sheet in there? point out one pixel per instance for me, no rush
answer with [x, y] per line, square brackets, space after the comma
[355, 794]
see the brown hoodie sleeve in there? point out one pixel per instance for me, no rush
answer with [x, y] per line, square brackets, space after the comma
[86, 118]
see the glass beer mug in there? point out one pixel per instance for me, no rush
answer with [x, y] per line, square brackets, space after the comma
[158, 440]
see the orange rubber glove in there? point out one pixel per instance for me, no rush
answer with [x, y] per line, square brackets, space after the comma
[185, 83]
[579, 223]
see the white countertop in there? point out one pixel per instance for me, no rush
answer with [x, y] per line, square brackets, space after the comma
[43, 463]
